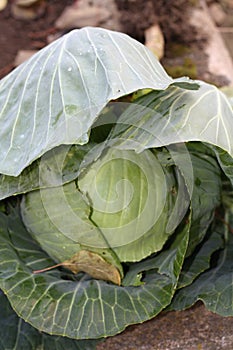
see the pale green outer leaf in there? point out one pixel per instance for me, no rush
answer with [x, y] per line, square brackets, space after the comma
[55, 96]
[77, 307]
[176, 115]
[16, 334]
[57, 167]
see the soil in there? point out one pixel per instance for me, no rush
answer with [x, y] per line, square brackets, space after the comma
[26, 35]
[192, 329]
[136, 17]
[184, 53]
[195, 328]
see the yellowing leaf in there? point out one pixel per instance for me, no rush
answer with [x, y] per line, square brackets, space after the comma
[91, 263]
[94, 265]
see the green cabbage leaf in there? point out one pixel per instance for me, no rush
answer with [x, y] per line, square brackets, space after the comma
[17, 334]
[108, 166]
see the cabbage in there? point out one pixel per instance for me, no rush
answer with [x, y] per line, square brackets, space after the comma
[116, 192]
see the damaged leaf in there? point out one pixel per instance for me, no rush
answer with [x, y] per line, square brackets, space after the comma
[91, 263]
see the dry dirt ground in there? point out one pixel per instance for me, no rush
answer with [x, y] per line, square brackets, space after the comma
[25, 35]
[192, 329]
[184, 54]
[195, 328]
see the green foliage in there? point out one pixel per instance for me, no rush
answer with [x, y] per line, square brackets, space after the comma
[17, 334]
[103, 153]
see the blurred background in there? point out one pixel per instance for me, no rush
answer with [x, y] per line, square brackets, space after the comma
[190, 37]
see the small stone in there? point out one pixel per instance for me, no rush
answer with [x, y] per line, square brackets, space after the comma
[22, 56]
[25, 3]
[26, 13]
[219, 59]
[3, 4]
[154, 40]
[217, 13]
[74, 17]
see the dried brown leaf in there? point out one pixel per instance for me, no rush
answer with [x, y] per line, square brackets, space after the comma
[94, 265]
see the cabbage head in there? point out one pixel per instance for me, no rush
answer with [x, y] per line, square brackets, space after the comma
[115, 192]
